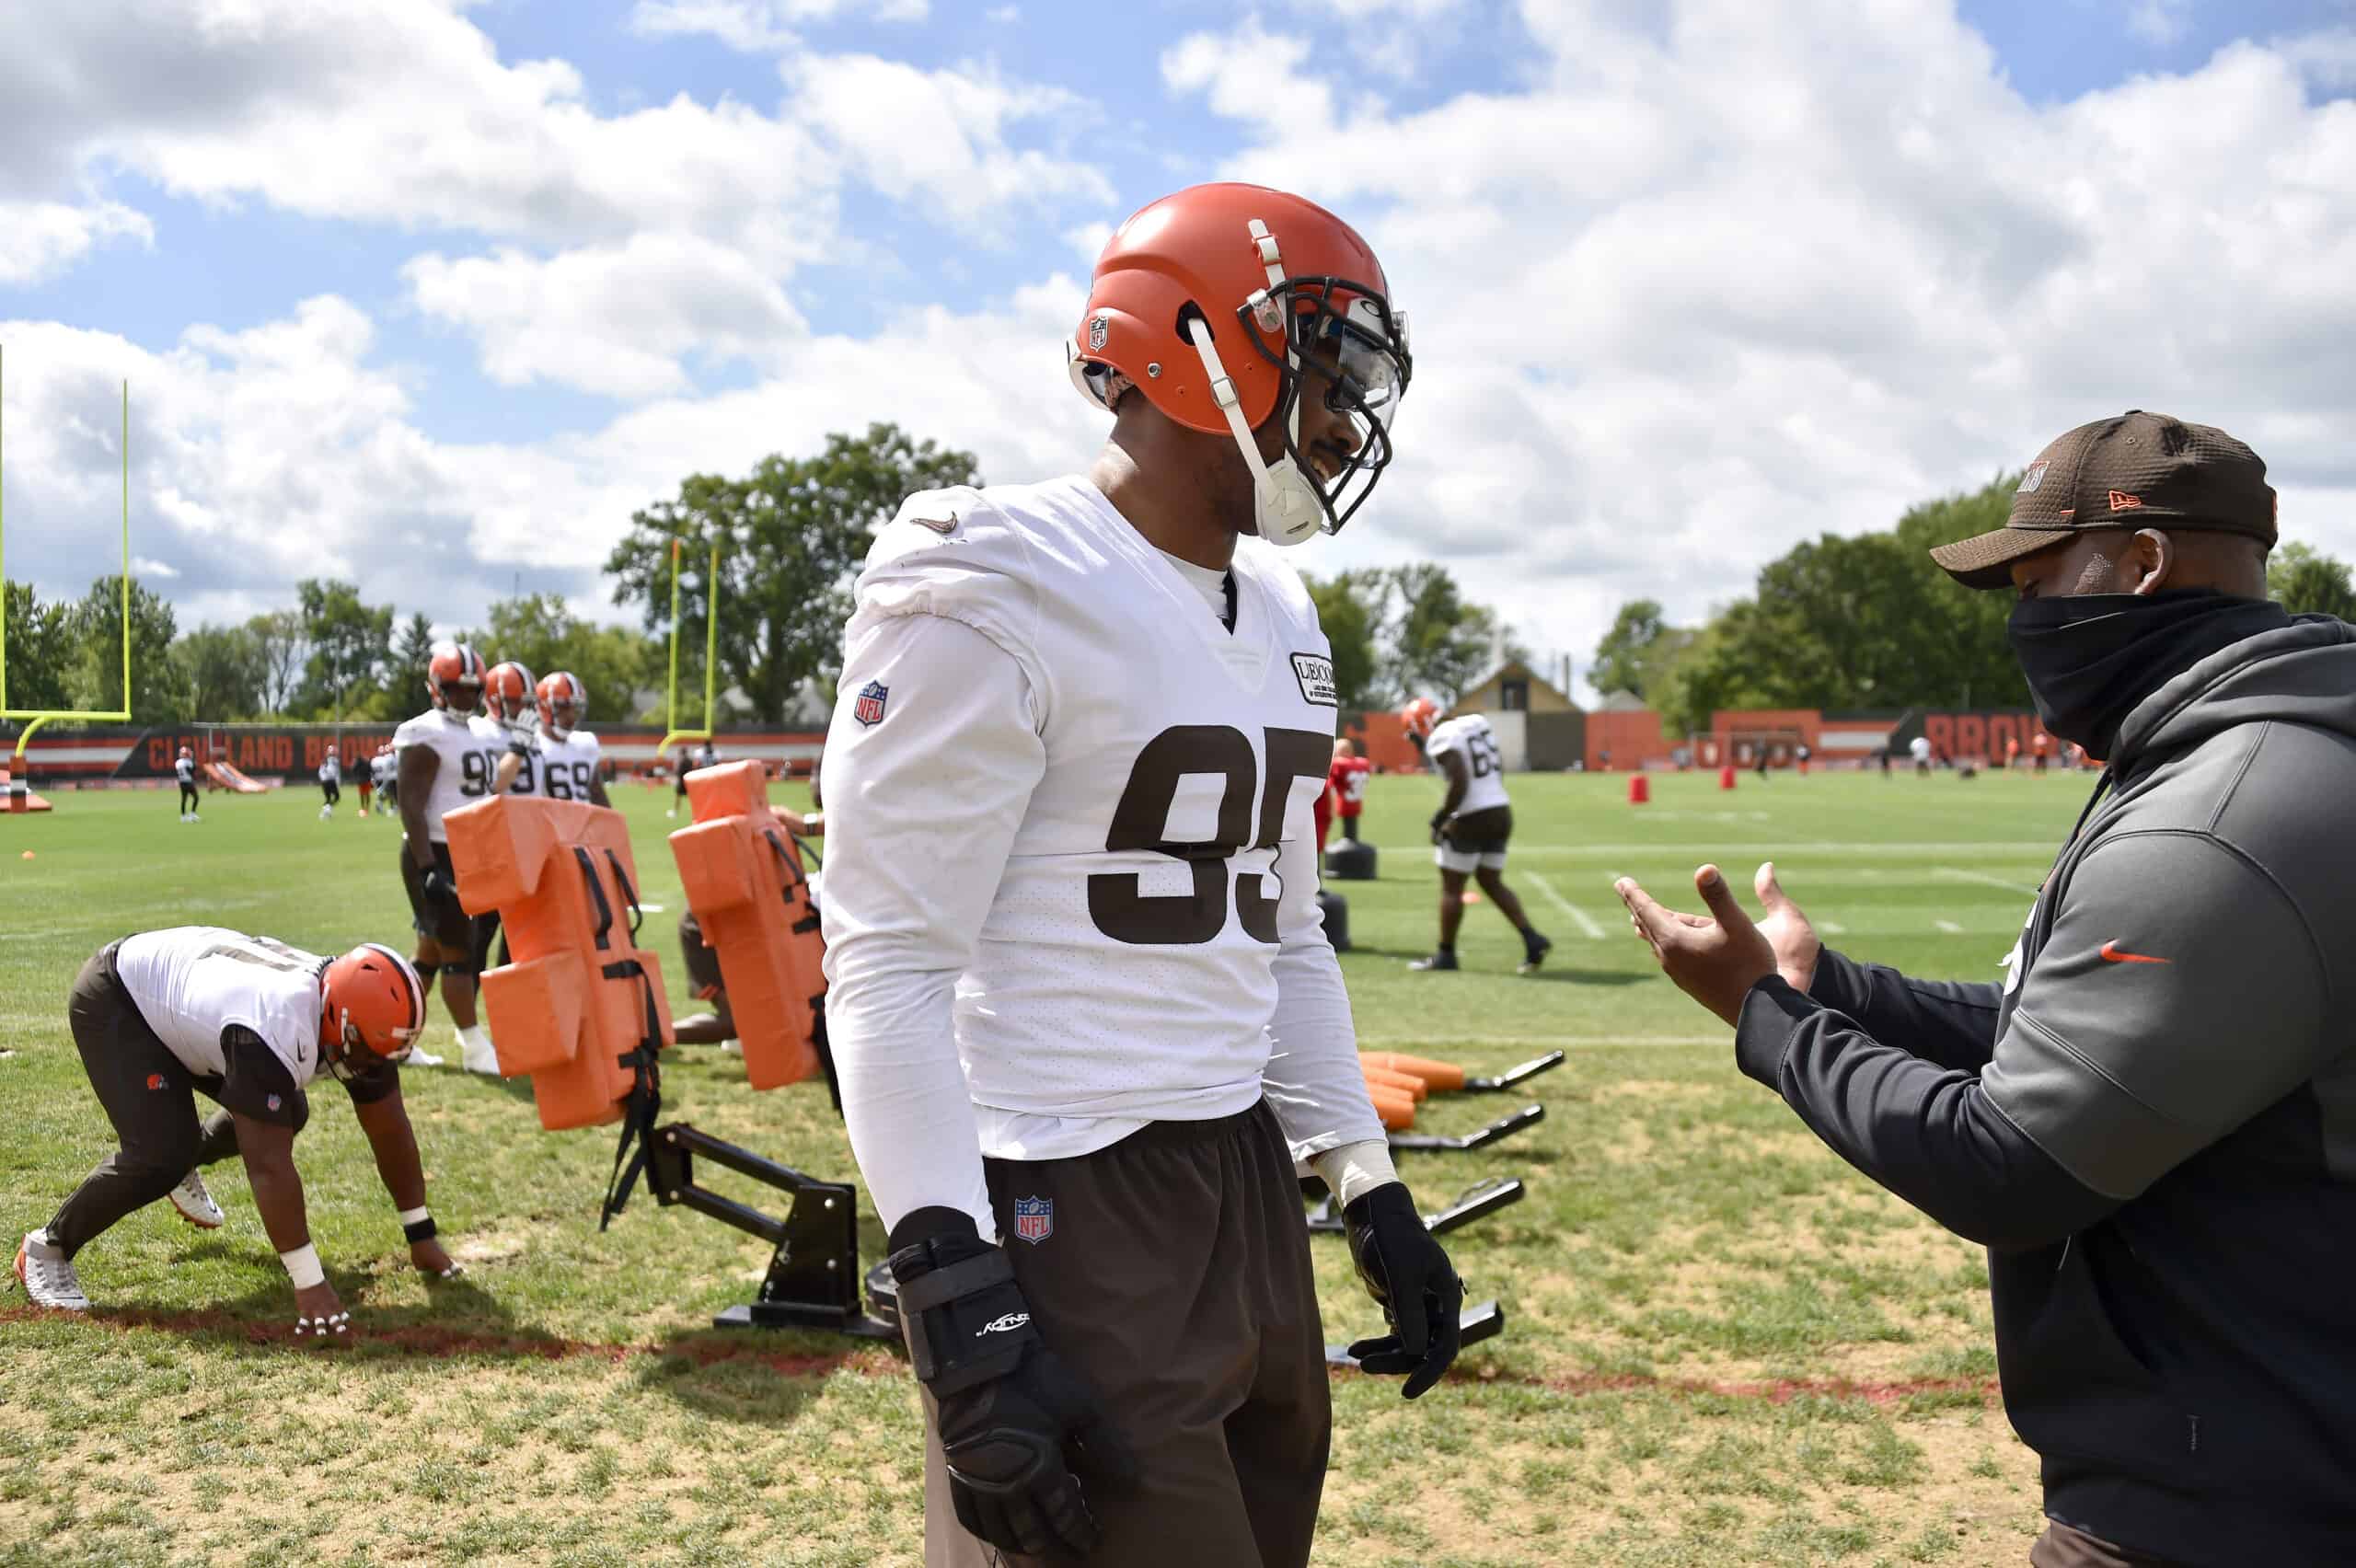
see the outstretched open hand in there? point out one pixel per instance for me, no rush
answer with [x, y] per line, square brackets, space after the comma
[1717, 958]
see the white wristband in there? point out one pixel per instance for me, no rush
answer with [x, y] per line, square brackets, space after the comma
[302, 1266]
[1355, 1169]
[411, 1216]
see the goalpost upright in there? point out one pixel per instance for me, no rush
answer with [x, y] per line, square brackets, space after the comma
[39, 716]
[710, 651]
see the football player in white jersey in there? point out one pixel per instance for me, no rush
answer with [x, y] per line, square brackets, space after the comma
[184, 769]
[443, 764]
[1082, 1006]
[1470, 830]
[250, 1023]
[564, 759]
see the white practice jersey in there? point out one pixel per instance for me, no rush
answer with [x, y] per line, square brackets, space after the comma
[332, 769]
[192, 982]
[465, 772]
[185, 769]
[1057, 781]
[563, 770]
[382, 768]
[1469, 736]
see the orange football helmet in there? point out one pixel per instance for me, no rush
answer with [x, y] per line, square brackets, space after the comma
[1420, 714]
[371, 1004]
[454, 678]
[507, 694]
[563, 698]
[1207, 302]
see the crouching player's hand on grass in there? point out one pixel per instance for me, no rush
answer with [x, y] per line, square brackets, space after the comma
[433, 1262]
[319, 1316]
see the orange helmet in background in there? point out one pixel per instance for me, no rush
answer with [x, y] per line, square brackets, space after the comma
[1208, 301]
[454, 678]
[561, 697]
[1420, 714]
[372, 1005]
[507, 694]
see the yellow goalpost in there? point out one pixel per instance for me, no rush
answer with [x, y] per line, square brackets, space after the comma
[39, 716]
[710, 651]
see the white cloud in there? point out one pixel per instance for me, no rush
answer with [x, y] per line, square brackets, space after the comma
[614, 319]
[2159, 22]
[756, 27]
[1725, 276]
[40, 240]
[144, 567]
[938, 137]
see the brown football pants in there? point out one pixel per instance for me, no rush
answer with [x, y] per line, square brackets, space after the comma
[1174, 1277]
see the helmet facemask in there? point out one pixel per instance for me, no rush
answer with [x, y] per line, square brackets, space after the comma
[1364, 376]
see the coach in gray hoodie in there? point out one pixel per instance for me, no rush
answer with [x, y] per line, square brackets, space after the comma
[2151, 1122]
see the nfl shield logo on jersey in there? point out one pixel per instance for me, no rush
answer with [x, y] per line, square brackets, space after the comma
[1034, 1219]
[869, 708]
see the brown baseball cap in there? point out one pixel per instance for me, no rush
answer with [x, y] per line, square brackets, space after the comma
[2136, 470]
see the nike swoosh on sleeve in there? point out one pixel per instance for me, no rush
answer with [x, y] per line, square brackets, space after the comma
[2112, 954]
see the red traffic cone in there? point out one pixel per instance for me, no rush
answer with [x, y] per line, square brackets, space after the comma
[1726, 777]
[1640, 790]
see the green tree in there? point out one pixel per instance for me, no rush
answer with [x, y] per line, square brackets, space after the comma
[540, 631]
[285, 649]
[96, 631]
[220, 670]
[792, 533]
[1434, 638]
[1348, 605]
[405, 671]
[351, 645]
[2301, 578]
[41, 651]
[1637, 651]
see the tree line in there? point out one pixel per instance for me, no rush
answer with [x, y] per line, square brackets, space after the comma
[1868, 621]
[791, 535]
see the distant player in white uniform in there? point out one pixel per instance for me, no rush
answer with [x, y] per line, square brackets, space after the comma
[1919, 748]
[706, 754]
[1471, 829]
[386, 766]
[184, 768]
[331, 784]
[250, 1023]
[1082, 1006]
[444, 765]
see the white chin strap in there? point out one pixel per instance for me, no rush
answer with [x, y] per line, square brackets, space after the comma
[1286, 504]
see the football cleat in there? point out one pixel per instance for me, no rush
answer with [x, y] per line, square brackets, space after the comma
[1534, 953]
[477, 1053]
[196, 1204]
[1437, 960]
[48, 1274]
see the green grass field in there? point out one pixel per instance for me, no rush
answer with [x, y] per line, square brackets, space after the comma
[1726, 1346]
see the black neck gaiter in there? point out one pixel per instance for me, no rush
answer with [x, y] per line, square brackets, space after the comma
[2091, 658]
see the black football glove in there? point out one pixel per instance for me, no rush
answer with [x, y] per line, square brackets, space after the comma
[438, 888]
[1439, 825]
[1407, 1273]
[1013, 1419]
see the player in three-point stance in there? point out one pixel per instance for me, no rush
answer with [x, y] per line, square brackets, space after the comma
[250, 1023]
[1083, 1009]
[1470, 828]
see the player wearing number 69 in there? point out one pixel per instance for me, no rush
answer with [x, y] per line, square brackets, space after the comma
[1082, 1006]
[250, 1023]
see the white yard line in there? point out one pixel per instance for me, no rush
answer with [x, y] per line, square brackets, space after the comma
[1985, 880]
[1587, 928]
[1949, 926]
[1831, 928]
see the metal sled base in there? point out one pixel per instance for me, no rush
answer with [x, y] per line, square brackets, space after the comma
[813, 1277]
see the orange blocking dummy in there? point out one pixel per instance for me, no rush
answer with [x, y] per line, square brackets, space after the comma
[744, 880]
[581, 1008]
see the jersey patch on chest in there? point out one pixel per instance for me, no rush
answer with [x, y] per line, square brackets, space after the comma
[1315, 673]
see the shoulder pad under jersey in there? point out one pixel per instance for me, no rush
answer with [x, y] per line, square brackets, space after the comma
[952, 553]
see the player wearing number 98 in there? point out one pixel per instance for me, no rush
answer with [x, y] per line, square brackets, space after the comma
[1082, 1006]
[443, 764]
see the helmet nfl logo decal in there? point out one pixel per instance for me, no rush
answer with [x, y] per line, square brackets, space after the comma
[869, 707]
[1099, 329]
[1035, 1219]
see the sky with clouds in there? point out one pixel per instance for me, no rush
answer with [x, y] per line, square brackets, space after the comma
[432, 293]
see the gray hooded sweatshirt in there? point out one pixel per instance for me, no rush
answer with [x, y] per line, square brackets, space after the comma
[2151, 1122]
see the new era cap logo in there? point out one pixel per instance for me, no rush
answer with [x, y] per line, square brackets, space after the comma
[2122, 501]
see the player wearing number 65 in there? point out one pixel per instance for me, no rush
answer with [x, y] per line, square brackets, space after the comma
[250, 1023]
[1082, 1006]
